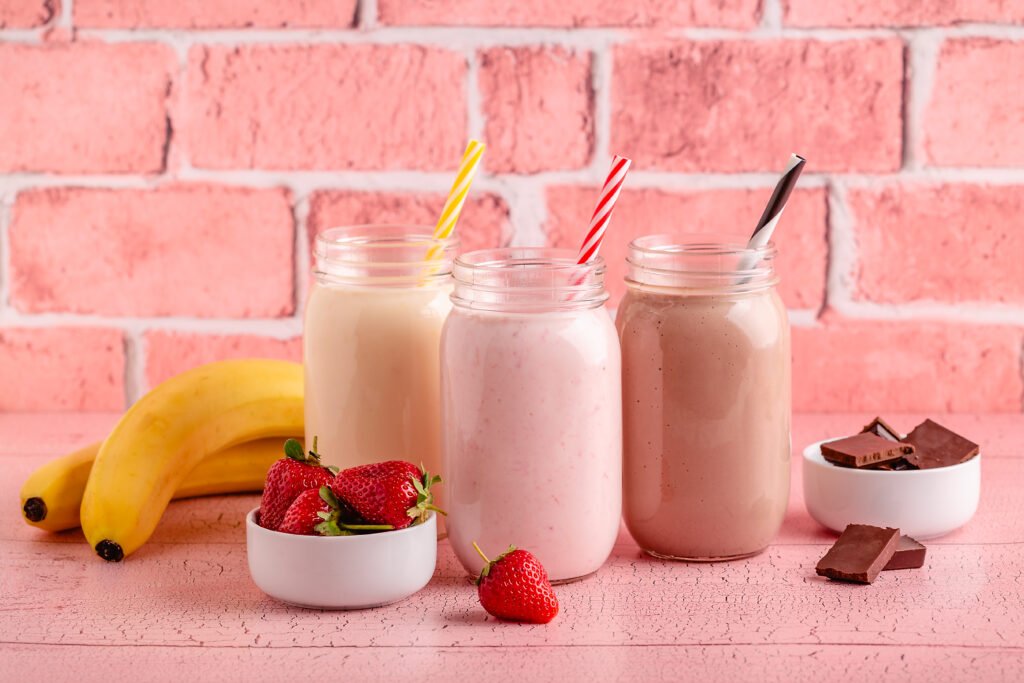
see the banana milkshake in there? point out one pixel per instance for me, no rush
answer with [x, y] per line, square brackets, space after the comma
[372, 332]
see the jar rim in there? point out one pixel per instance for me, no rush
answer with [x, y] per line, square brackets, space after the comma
[550, 258]
[361, 236]
[700, 245]
[700, 263]
[527, 279]
[383, 254]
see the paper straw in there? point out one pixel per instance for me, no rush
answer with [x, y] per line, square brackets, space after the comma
[603, 211]
[601, 217]
[457, 195]
[773, 211]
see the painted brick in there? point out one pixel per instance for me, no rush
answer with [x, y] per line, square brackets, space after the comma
[745, 105]
[188, 250]
[326, 107]
[880, 367]
[846, 13]
[570, 13]
[948, 243]
[84, 107]
[61, 369]
[200, 14]
[977, 105]
[801, 237]
[171, 353]
[538, 105]
[27, 13]
[483, 224]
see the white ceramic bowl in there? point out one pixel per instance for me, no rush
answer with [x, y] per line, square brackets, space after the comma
[341, 572]
[920, 503]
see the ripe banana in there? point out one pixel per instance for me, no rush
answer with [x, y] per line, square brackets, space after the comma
[169, 431]
[52, 495]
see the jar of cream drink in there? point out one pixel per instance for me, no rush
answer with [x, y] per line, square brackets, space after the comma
[531, 385]
[706, 397]
[380, 296]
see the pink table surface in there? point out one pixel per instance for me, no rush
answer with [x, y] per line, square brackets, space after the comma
[185, 608]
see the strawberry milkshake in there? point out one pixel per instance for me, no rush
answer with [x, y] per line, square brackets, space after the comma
[706, 396]
[531, 407]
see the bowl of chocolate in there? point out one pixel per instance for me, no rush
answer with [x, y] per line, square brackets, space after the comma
[926, 483]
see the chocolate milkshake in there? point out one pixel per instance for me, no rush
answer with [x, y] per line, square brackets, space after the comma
[706, 400]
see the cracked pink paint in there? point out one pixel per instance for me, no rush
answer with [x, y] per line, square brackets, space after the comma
[184, 606]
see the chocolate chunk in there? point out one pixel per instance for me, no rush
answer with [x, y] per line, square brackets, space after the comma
[892, 465]
[936, 446]
[859, 554]
[863, 449]
[880, 427]
[909, 555]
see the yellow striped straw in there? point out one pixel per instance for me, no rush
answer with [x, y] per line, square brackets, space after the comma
[457, 195]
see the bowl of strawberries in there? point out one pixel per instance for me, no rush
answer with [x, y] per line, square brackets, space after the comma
[362, 537]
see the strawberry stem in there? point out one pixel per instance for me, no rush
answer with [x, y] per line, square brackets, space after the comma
[481, 552]
[366, 527]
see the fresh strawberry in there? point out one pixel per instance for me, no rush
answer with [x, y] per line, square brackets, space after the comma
[514, 586]
[303, 515]
[393, 493]
[289, 477]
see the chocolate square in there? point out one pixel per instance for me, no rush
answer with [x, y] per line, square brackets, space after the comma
[936, 446]
[909, 555]
[859, 553]
[861, 450]
[880, 427]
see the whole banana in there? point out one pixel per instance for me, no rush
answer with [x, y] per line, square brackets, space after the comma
[169, 431]
[52, 495]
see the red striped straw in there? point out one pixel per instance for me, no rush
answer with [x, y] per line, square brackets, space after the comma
[603, 211]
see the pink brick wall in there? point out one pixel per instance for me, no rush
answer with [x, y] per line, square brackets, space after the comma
[164, 165]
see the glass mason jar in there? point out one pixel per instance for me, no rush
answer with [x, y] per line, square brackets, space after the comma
[372, 333]
[532, 410]
[706, 397]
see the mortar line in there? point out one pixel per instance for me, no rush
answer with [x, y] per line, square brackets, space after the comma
[771, 16]
[175, 153]
[527, 211]
[921, 53]
[66, 17]
[823, 306]
[462, 37]
[842, 248]
[476, 120]
[6, 215]
[453, 37]
[601, 87]
[302, 258]
[275, 328]
[1021, 373]
[134, 366]
[430, 181]
[366, 15]
[15, 36]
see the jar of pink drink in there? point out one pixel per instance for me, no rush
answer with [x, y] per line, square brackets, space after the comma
[531, 408]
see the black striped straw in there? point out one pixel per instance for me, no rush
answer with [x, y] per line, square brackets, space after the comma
[772, 214]
[773, 211]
